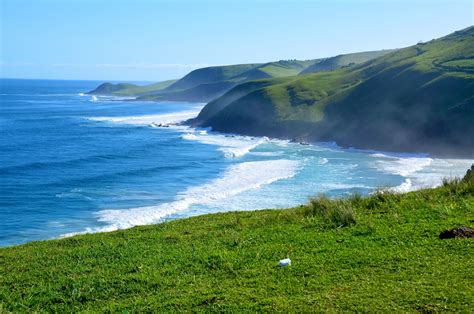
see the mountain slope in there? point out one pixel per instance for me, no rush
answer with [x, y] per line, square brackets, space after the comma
[127, 89]
[203, 85]
[418, 98]
[210, 75]
[334, 63]
[206, 84]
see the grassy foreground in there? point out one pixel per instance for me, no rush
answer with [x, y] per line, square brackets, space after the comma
[379, 253]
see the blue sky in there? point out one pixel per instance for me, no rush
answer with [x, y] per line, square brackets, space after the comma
[145, 40]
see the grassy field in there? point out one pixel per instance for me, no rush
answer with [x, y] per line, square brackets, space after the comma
[377, 253]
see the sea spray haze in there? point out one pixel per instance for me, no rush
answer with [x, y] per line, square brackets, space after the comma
[74, 163]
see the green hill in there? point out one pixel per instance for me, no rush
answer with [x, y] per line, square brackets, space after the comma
[210, 75]
[418, 98]
[359, 254]
[127, 89]
[337, 62]
[203, 85]
[206, 84]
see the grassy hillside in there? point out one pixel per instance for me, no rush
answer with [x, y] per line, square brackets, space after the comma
[418, 98]
[127, 89]
[210, 75]
[377, 253]
[337, 62]
[206, 84]
[203, 85]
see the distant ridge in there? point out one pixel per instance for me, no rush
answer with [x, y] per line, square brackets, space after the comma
[206, 84]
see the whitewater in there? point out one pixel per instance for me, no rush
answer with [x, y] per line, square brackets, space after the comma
[77, 164]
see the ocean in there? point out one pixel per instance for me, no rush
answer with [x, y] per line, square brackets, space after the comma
[71, 163]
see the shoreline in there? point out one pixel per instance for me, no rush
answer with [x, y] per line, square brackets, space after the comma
[297, 139]
[232, 259]
[403, 187]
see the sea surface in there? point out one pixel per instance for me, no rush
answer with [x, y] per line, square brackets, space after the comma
[73, 163]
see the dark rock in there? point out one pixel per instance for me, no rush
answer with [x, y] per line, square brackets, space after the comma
[461, 232]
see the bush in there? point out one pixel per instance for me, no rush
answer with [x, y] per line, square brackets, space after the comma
[338, 213]
[469, 177]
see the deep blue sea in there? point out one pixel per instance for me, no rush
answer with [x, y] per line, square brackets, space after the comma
[72, 163]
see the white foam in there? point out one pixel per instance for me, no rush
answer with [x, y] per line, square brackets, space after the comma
[403, 166]
[379, 155]
[94, 98]
[422, 172]
[231, 146]
[237, 179]
[342, 186]
[322, 161]
[406, 186]
[167, 118]
[268, 154]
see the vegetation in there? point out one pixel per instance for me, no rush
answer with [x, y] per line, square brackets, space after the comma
[340, 61]
[127, 89]
[413, 99]
[375, 253]
[203, 85]
[206, 84]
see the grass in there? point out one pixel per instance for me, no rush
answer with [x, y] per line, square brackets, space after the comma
[377, 253]
[334, 63]
[142, 90]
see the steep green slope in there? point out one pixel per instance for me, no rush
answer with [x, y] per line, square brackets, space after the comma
[418, 98]
[337, 62]
[127, 89]
[361, 254]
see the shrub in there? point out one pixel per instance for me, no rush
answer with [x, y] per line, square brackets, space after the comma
[338, 213]
[469, 177]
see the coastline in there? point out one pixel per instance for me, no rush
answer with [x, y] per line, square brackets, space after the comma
[387, 256]
[300, 137]
[201, 134]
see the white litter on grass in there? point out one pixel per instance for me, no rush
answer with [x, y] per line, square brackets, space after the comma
[285, 262]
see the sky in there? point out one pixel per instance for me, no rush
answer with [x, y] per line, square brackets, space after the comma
[146, 40]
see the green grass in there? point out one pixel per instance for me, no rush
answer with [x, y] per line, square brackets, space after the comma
[350, 59]
[378, 253]
[142, 90]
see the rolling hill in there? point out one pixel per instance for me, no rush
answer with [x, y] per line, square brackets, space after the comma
[419, 98]
[334, 63]
[127, 89]
[206, 84]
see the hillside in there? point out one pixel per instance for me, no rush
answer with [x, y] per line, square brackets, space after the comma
[203, 85]
[360, 254]
[206, 84]
[418, 98]
[337, 62]
[127, 89]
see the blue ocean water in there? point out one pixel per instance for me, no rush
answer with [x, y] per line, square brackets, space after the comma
[72, 163]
